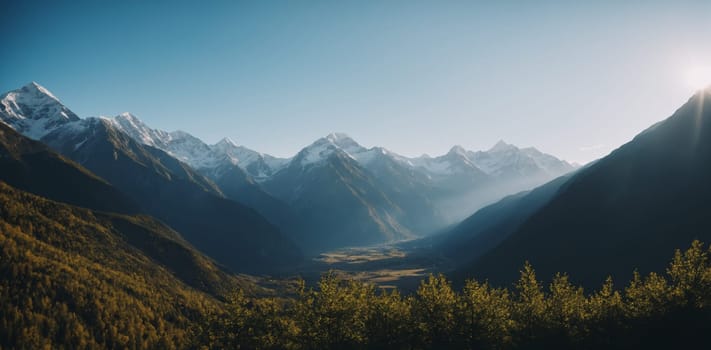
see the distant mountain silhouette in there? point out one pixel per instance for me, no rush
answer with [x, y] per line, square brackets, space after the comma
[626, 211]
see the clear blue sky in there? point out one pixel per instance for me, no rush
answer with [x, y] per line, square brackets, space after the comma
[575, 80]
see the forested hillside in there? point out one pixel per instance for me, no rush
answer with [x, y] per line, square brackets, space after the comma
[656, 311]
[72, 278]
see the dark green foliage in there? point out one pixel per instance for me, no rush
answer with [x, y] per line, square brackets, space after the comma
[389, 325]
[652, 312]
[434, 309]
[72, 278]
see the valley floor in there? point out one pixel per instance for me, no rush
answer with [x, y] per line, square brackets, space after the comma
[399, 265]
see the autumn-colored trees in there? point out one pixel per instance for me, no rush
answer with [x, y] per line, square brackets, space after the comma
[51, 299]
[351, 315]
[71, 279]
[68, 280]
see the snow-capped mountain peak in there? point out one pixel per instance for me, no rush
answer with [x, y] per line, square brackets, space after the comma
[191, 150]
[34, 111]
[139, 131]
[33, 86]
[344, 142]
[458, 150]
[316, 152]
[456, 161]
[226, 142]
[504, 159]
[128, 115]
[195, 152]
[336, 136]
[237, 154]
[324, 147]
[548, 162]
[502, 146]
[180, 144]
[180, 134]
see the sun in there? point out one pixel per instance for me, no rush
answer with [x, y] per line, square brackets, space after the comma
[698, 77]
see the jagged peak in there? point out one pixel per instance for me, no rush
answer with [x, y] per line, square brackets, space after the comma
[34, 111]
[345, 142]
[226, 141]
[127, 119]
[381, 150]
[38, 89]
[337, 137]
[501, 145]
[31, 91]
[337, 140]
[132, 119]
[127, 115]
[180, 134]
[457, 149]
[324, 147]
[532, 150]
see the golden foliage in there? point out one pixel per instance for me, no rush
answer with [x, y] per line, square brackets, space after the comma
[69, 279]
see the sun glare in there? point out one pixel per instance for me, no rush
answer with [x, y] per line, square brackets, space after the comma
[698, 77]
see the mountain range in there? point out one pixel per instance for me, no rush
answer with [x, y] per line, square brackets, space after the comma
[257, 213]
[117, 235]
[157, 183]
[382, 196]
[615, 215]
[449, 186]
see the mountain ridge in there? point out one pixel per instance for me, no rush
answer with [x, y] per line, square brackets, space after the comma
[234, 235]
[33, 110]
[621, 212]
[398, 197]
[31, 166]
